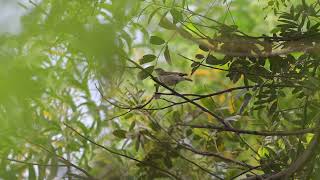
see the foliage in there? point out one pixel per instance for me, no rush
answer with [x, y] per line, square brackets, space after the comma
[80, 97]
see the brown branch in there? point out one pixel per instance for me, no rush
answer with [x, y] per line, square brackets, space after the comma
[253, 132]
[248, 170]
[204, 169]
[226, 159]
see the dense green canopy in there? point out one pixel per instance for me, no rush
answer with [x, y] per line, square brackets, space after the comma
[80, 97]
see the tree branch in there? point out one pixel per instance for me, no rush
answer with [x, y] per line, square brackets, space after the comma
[253, 132]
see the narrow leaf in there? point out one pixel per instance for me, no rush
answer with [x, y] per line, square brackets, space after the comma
[152, 14]
[176, 15]
[120, 133]
[199, 56]
[167, 55]
[156, 40]
[147, 58]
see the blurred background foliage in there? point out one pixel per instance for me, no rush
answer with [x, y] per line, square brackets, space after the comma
[67, 65]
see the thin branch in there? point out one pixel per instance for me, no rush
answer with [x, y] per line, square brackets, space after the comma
[120, 115]
[199, 96]
[254, 132]
[226, 159]
[66, 161]
[248, 170]
[122, 107]
[204, 169]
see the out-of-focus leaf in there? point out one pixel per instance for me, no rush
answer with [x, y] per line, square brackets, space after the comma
[167, 55]
[156, 40]
[152, 14]
[165, 23]
[147, 58]
[143, 74]
[199, 56]
[120, 133]
[246, 100]
[212, 60]
[177, 16]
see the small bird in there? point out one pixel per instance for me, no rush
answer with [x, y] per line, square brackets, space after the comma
[171, 78]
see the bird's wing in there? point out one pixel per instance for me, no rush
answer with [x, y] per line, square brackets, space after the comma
[176, 73]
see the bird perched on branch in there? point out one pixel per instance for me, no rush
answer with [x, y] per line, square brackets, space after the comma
[171, 78]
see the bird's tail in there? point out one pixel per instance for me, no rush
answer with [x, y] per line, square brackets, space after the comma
[187, 79]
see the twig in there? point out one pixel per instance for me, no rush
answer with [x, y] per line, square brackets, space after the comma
[254, 132]
[122, 107]
[188, 147]
[248, 170]
[199, 96]
[120, 115]
[66, 161]
[204, 169]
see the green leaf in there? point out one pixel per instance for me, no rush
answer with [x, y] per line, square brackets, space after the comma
[195, 64]
[177, 16]
[203, 48]
[167, 55]
[199, 56]
[166, 24]
[212, 60]
[137, 144]
[132, 125]
[120, 133]
[167, 161]
[176, 116]
[32, 173]
[156, 40]
[247, 98]
[270, 3]
[273, 107]
[259, 107]
[145, 73]
[152, 14]
[147, 58]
